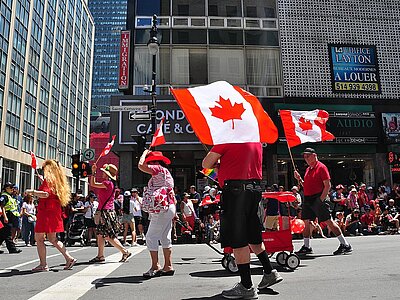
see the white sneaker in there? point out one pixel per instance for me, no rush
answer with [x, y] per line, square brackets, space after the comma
[270, 279]
[127, 244]
[240, 292]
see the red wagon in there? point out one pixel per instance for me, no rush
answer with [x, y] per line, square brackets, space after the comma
[275, 241]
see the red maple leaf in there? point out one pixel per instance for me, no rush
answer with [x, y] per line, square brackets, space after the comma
[226, 111]
[305, 124]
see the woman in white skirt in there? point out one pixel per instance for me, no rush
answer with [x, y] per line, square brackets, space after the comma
[155, 164]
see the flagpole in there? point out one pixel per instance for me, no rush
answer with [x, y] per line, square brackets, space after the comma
[291, 157]
[294, 166]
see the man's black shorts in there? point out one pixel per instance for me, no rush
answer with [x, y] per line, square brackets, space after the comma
[313, 207]
[240, 224]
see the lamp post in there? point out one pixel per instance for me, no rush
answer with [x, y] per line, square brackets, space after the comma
[153, 46]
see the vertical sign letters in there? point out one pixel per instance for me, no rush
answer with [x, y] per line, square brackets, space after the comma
[123, 78]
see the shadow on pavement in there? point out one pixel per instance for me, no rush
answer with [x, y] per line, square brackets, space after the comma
[98, 283]
[266, 291]
[218, 296]
[309, 257]
[213, 274]
[225, 273]
[15, 272]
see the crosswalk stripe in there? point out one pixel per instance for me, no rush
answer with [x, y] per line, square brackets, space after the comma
[7, 269]
[86, 279]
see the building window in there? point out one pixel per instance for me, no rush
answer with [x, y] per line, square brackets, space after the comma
[227, 65]
[8, 172]
[261, 37]
[186, 36]
[142, 36]
[259, 8]
[25, 177]
[225, 37]
[188, 8]
[217, 8]
[151, 7]
[263, 67]
[189, 66]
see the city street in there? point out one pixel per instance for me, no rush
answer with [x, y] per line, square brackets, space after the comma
[370, 272]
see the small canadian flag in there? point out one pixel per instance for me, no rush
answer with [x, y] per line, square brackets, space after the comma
[158, 138]
[34, 161]
[107, 148]
[305, 126]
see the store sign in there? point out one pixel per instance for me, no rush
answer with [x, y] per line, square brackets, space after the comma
[176, 128]
[353, 127]
[391, 127]
[354, 69]
[394, 161]
[124, 49]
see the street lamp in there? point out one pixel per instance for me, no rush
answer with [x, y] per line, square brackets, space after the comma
[153, 46]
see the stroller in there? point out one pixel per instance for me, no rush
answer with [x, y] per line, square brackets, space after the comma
[77, 231]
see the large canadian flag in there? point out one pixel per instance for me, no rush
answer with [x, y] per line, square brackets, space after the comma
[305, 126]
[220, 113]
[158, 138]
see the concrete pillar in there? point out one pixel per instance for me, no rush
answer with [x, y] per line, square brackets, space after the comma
[125, 170]
[382, 169]
[369, 175]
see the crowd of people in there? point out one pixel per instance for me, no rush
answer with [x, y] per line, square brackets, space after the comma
[357, 209]
[160, 213]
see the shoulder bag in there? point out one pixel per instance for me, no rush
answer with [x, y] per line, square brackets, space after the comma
[97, 214]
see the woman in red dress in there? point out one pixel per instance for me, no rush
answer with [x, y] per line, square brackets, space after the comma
[54, 193]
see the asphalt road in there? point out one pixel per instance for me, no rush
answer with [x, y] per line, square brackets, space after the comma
[370, 272]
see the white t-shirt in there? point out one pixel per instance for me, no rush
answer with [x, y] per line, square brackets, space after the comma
[136, 209]
[91, 209]
[30, 208]
[188, 208]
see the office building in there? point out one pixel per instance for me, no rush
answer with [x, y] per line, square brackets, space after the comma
[110, 18]
[46, 53]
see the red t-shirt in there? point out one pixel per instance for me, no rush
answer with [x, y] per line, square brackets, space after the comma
[239, 161]
[314, 179]
[367, 219]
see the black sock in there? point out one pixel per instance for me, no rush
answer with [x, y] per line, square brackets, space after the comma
[263, 257]
[245, 276]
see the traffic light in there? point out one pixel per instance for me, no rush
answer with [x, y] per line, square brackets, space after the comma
[85, 169]
[75, 164]
[140, 141]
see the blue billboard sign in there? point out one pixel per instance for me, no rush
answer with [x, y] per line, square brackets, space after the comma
[354, 69]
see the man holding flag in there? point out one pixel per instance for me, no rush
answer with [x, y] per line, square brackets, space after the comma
[310, 126]
[234, 122]
[317, 183]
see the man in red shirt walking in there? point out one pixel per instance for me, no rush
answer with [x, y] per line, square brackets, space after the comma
[239, 175]
[317, 183]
